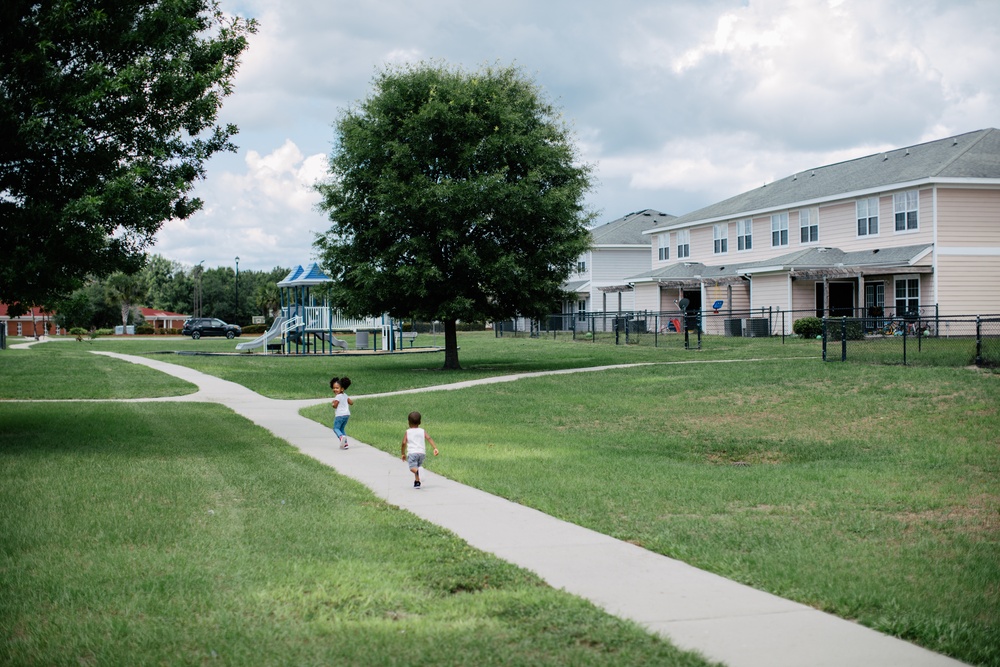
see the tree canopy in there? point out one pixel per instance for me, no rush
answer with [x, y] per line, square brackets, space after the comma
[455, 196]
[107, 116]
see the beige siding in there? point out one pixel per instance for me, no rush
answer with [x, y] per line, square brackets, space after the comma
[968, 218]
[967, 285]
[770, 291]
[804, 298]
[647, 296]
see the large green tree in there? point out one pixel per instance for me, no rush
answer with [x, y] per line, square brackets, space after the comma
[107, 115]
[455, 196]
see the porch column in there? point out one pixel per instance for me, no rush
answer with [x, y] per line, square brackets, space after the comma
[826, 296]
[861, 295]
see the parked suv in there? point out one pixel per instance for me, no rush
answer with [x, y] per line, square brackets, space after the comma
[196, 327]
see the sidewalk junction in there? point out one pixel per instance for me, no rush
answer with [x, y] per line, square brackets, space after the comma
[695, 610]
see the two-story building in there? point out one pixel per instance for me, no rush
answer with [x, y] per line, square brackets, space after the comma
[618, 249]
[910, 231]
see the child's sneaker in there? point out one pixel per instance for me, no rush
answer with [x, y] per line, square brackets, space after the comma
[343, 442]
[416, 485]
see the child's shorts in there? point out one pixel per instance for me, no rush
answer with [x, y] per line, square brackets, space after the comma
[415, 460]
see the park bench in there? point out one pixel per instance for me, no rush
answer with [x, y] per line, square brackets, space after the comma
[408, 336]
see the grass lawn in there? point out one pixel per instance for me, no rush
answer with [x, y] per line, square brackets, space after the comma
[872, 492]
[179, 534]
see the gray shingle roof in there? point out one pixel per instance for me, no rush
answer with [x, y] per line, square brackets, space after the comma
[807, 258]
[971, 155]
[628, 230]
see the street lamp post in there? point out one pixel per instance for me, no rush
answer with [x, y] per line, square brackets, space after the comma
[237, 289]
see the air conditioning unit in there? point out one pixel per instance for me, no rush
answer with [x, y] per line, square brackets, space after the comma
[733, 327]
[756, 327]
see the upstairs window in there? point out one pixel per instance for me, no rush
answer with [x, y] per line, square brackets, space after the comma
[744, 234]
[868, 216]
[779, 229]
[904, 205]
[683, 243]
[581, 266]
[664, 247]
[721, 236]
[809, 225]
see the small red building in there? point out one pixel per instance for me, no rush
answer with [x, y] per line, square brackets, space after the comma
[35, 322]
[163, 319]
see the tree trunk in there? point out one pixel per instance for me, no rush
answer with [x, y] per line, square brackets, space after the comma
[451, 346]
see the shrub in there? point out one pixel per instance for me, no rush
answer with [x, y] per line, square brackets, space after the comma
[79, 332]
[105, 332]
[144, 330]
[254, 328]
[808, 327]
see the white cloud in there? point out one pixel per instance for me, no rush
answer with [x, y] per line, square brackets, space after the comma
[265, 214]
[677, 104]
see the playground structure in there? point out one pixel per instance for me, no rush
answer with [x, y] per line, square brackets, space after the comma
[306, 324]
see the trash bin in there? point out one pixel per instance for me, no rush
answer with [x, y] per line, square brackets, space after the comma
[361, 340]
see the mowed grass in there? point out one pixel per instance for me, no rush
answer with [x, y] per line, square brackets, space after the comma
[481, 355]
[179, 534]
[869, 492]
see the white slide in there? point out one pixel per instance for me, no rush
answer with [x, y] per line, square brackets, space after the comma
[274, 332]
[334, 341]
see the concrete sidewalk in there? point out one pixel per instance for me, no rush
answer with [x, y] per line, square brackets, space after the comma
[695, 610]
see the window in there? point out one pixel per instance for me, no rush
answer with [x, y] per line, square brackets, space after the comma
[664, 246]
[581, 266]
[809, 225]
[581, 309]
[683, 243]
[721, 235]
[868, 216]
[907, 296]
[779, 229]
[904, 205]
[744, 234]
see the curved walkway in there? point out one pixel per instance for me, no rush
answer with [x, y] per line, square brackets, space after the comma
[695, 610]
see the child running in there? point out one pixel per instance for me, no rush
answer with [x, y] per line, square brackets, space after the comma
[342, 404]
[414, 446]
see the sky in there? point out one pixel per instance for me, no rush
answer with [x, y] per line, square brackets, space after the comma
[676, 104]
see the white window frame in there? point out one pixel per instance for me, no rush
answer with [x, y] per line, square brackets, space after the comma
[808, 226]
[664, 246]
[581, 309]
[720, 238]
[779, 230]
[581, 266]
[867, 223]
[683, 243]
[906, 211]
[744, 235]
[907, 281]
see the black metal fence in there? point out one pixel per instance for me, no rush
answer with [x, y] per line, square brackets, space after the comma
[657, 329]
[921, 336]
[938, 341]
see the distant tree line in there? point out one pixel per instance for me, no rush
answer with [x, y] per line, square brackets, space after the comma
[167, 285]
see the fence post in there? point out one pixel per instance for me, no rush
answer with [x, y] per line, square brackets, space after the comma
[824, 339]
[979, 341]
[843, 339]
[906, 329]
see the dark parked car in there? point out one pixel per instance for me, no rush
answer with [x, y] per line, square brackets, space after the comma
[197, 327]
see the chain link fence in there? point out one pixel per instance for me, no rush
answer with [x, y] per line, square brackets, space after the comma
[920, 336]
[672, 329]
[939, 341]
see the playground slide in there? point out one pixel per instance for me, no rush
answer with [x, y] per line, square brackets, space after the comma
[264, 338]
[335, 342]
